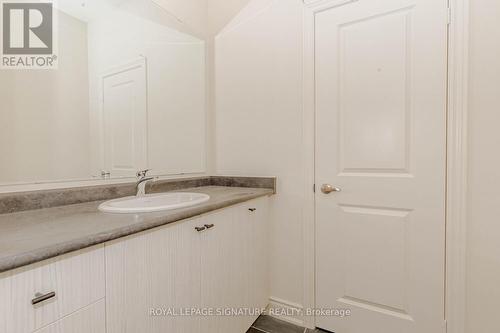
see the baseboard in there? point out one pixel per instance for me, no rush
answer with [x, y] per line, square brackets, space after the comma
[286, 311]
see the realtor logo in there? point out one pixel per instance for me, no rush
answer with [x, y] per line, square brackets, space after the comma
[28, 32]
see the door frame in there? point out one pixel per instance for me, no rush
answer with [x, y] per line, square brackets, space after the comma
[456, 194]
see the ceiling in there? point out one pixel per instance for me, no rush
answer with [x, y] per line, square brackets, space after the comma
[87, 10]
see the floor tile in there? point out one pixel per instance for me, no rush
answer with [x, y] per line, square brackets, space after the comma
[273, 325]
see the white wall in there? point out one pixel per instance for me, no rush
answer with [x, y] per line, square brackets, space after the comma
[44, 114]
[203, 17]
[191, 13]
[258, 131]
[176, 85]
[258, 59]
[221, 12]
[483, 280]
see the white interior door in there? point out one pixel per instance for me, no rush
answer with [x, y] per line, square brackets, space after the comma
[381, 69]
[125, 119]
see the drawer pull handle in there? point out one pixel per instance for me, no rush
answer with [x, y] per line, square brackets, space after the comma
[209, 226]
[200, 229]
[39, 298]
[252, 209]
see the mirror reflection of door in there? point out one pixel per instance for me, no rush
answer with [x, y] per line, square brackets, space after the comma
[124, 108]
[55, 125]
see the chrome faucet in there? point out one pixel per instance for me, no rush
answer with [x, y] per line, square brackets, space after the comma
[142, 181]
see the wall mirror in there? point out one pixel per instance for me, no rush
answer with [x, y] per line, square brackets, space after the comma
[128, 94]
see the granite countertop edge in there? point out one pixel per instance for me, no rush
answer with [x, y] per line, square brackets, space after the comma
[32, 257]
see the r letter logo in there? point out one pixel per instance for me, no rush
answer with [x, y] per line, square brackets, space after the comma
[28, 35]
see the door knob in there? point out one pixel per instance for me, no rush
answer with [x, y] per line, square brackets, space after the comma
[327, 189]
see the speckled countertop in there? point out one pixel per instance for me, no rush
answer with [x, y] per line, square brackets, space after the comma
[32, 236]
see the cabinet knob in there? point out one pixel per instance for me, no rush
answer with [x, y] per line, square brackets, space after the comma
[39, 298]
[200, 229]
[209, 226]
[252, 209]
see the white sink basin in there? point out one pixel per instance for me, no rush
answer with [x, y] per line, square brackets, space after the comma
[153, 203]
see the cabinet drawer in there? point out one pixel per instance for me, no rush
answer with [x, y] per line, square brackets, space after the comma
[91, 319]
[76, 280]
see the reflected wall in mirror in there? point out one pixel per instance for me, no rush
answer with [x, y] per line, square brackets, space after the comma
[129, 94]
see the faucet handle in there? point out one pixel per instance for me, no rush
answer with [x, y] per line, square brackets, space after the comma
[142, 173]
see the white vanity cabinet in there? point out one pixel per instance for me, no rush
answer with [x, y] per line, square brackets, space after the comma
[73, 285]
[153, 276]
[151, 282]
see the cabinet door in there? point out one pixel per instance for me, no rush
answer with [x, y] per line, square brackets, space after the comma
[252, 218]
[151, 273]
[234, 267]
[259, 252]
[91, 319]
[221, 272]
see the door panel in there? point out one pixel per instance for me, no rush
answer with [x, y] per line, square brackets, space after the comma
[381, 137]
[125, 120]
[381, 236]
[379, 142]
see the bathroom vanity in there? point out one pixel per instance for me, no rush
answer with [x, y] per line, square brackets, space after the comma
[184, 270]
[85, 247]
